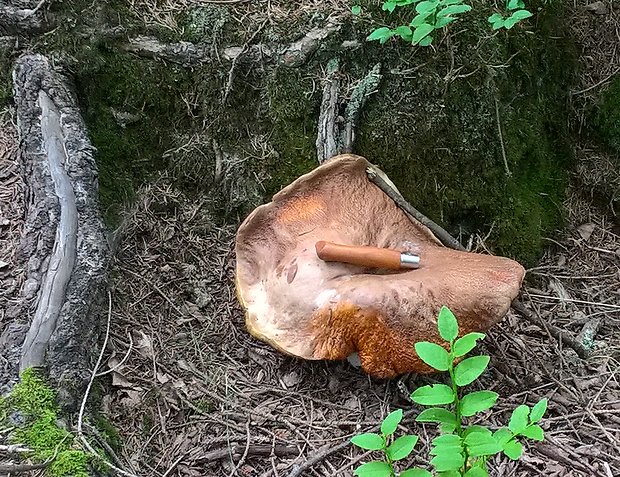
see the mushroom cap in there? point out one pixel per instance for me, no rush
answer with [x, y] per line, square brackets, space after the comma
[313, 309]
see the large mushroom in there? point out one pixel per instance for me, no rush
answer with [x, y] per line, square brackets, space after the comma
[315, 308]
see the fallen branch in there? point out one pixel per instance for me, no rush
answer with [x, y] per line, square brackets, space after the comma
[238, 450]
[451, 242]
[21, 468]
[17, 19]
[190, 54]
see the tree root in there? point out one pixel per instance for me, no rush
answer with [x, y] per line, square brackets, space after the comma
[63, 245]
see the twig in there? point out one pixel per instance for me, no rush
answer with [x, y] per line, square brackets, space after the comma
[261, 450]
[451, 242]
[501, 138]
[20, 468]
[321, 454]
[445, 238]
[231, 72]
[80, 422]
[245, 451]
[596, 85]
[14, 449]
[554, 331]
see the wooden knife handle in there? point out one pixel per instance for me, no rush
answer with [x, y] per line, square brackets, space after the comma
[362, 256]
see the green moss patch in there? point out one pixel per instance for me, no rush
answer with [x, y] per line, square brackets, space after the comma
[33, 402]
[607, 117]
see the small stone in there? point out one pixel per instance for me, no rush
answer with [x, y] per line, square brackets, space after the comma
[598, 8]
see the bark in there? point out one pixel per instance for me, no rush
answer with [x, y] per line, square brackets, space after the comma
[23, 16]
[63, 246]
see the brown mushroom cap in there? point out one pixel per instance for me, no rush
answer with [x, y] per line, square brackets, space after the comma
[313, 309]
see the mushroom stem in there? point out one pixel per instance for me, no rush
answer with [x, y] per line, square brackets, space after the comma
[364, 256]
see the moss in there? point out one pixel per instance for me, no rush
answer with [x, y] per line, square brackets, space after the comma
[34, 401]
[292, 113]
[108, 431]
[607, 115]
[439, 141]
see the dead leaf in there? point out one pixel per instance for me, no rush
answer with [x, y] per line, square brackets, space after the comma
[291, 379]
[585, 230]
[163, 378]
[144, 344]
[598, 8]
[131, 398]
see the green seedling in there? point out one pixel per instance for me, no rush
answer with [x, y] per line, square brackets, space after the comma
[515, 13]
[460, 449]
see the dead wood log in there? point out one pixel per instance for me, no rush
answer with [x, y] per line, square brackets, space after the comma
[23, 16]
[63, 247]
[190, 54]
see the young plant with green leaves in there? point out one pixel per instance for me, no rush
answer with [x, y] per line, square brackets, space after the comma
[460, 450]
[515, 13]
[433, 15]
[392, 450]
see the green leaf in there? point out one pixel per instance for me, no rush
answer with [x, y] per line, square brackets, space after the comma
[481, 443]
[356, 9]
[495, 17]
[499, 24]
[516, 17]
[442, 22]
[373, 469]
[420, 32]
[419, 19]
[437, 414]
[519, 419]
[470, 369]
[433, 395]
[521, 14]
[447, 428]
[382, 34]
[538, 411]
[389, 6]
[451, 461]
[426, 6]
[477, 401]
[368, 441]
[447, 444]
[513, 449]
[535, 432]
[453, 10]
[404, 32]
[502, 436]
[416, 472]
[447, 324]
[427, 40]
[402, 447]
[465, 344]
[476, 472]
[514, 4]
[391, 421]
[450, 473]
[431, 353]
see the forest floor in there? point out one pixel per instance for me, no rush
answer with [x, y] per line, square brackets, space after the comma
[192, 394]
